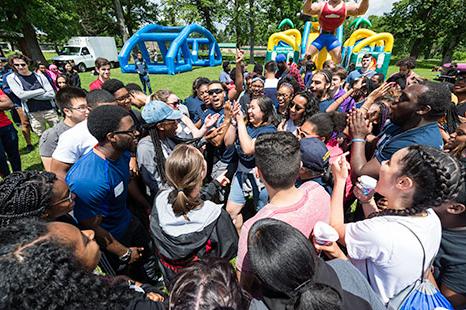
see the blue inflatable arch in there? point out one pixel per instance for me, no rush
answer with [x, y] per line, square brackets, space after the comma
[179, 51]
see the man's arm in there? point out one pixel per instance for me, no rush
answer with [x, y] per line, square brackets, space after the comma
[357, 9]
[59, 168]
[18, 90]
[5, 102]
[239, 78]
[49, 92]
[312, 8]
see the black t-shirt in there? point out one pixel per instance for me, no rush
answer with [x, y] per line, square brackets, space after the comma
[450, 262]
[30, 82]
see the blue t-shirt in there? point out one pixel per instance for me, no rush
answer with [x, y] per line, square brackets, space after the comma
[101, 188]
[211, 111]
[392, 139]
[194, 106]
[254, 132]
[323, 105]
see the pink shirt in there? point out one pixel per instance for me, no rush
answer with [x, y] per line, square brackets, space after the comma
[314, 206]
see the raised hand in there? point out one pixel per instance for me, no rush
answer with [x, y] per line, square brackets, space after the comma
[211, 120]
[359, 126]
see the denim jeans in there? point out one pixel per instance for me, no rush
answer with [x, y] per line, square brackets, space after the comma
[145, 81]
[9, 145]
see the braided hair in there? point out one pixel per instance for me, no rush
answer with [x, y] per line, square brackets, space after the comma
[25, 194]
[437, 175]
[159, 156]
[39, 271]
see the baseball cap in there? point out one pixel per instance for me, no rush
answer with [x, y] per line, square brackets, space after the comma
[280, 58]
[157, 111]
[314, 154]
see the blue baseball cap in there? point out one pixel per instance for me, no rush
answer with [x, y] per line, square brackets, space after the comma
[280, 58]
[314, 154]
[157, 111]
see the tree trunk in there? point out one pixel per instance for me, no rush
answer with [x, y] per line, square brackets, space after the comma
[416, 48]
[121, 20]
[251, 31]
[207, 16]
[28, 44]
[449, 47]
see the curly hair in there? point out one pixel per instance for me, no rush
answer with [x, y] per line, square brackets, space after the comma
[37, 271]
[327, 123]
[208, 284]
[437, 176]
[312, 104]
[25, 194]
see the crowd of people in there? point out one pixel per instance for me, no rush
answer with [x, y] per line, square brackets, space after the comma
[147, 201]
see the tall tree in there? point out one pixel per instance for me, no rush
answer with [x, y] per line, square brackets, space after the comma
[251, 31]
[121, 20]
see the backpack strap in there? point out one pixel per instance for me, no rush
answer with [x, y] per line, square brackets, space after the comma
[423, 250]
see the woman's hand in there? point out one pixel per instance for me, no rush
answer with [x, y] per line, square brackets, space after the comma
[359, 126]
[340, 169]
[359, 193]
[238, 113]
[332, 250]
[281, 126]
[381, 91]
[211, 120]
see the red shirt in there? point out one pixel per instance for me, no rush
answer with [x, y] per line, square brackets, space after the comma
[330, 20]
[4, 120]
[97, 84]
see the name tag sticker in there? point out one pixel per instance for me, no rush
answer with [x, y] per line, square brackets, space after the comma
[119, 189]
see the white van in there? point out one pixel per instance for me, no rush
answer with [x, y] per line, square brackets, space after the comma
[85, 50]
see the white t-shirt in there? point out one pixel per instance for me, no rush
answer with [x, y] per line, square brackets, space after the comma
[74, 143]
[271, 83]
[393, 253]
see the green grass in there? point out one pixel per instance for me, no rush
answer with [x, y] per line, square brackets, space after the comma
[180, 84]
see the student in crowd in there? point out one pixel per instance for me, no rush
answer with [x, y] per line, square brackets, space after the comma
[184, 226]
[315, 163]
[193, 289]
[143, 72]
[450, 262]
[225, 74]
[41, 68]
[457, 143]
[285, 94]
[377, 79]
[278, 161]
[33, 194]
[73, 75]
[53, 72]
[77, 141]
[415, 180]
[8, 139]
[261, 119]
[364, 71]
[138, 98]
[293, 276]
[152, 150]
[255, 90]
[320, 87]
[35, 92]
[49, 266]
[271, 82]
[100, 181]
[303, 105]
[102, 66]
[406, 68]
[198, 102]
[62, 81]
[309, 68]
[413, 120]
[73, 106]
[292, 70]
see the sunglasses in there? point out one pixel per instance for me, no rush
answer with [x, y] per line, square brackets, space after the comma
[68, 198]
[175, 103]
[215, 91]
[20, 65]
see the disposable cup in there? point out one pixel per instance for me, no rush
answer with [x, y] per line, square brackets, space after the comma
[324, 234]
[368, 184]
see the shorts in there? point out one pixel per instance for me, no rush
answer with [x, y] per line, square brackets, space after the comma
[329, 41]
[246, 185]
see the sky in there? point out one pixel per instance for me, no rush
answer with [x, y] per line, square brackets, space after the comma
[378, 7]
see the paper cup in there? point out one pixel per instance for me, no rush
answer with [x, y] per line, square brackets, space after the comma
[368, 184]
[324, 234]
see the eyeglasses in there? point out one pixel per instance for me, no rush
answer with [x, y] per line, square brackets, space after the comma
[20, 65]
[132, 132]
[215, 91]
[81, 109]
[68, 198]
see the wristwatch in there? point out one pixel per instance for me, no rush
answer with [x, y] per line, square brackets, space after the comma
[126, 257]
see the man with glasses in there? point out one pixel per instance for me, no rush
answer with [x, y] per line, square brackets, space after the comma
[35, 92]
[77, 141]
[102, 66]
[100, 181]
[73, 105]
